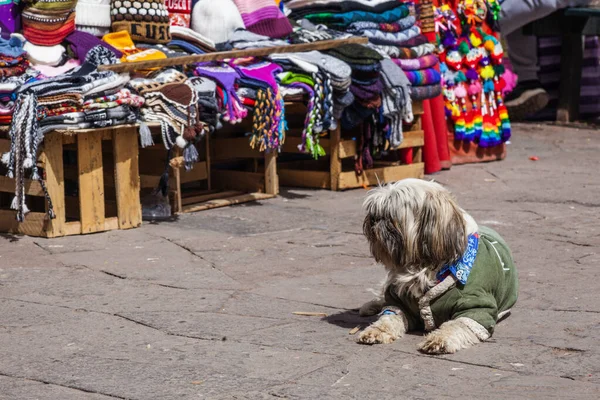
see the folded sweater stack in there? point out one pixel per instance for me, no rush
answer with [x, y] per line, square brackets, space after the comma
[392, 29]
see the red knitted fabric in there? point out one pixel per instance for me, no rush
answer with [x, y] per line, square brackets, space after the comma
[180, 12]
[46, 38]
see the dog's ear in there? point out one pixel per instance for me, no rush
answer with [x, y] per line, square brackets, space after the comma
[441, 230]
[385, 238]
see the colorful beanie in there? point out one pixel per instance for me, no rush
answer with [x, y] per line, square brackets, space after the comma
[93, 16]
[146, 21]
[264, 17]
[123, 43]
[48, 22]
[180, 12]
[216, 23]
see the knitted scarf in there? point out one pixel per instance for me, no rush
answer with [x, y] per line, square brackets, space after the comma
[268, 127]
[397, 104]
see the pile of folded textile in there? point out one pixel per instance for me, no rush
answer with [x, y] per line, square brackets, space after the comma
[64, 102]
[380, 102]
[13, 66]
[419, 61]
[392, 30]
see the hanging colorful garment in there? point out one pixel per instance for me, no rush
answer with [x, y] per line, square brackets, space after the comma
[268, 120]
[471, 68]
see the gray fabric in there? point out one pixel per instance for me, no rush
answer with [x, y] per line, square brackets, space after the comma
[518, 13]
[396, 100]
[522, 49]
[242, 39]
[393, 75]
[334, 67]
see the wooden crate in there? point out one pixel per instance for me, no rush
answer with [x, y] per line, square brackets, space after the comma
[82, 200]
[229, 172]
[335, 171]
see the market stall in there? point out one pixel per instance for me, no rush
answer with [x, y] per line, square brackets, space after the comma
[117, 110]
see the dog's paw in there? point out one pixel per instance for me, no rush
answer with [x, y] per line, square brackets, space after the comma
[437, 343]
[374, 335]
[451, 337]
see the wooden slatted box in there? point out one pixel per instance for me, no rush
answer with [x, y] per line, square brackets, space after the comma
[78, 178]
[229, 172]
[336, 170]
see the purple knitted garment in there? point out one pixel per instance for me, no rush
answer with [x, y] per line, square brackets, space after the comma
[264, 18]
[264, 71]
[367, 93]
[82, 42]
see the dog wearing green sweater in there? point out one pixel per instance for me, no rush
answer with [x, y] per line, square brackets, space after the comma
[445, 274]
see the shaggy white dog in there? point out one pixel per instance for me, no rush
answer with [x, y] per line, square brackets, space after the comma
[445, 274]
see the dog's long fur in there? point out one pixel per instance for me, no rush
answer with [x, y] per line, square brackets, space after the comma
[414, 228]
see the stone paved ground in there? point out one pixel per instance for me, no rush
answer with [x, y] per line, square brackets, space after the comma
[202, 308]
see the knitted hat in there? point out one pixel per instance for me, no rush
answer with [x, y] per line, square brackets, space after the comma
[264, 17]
[180, 12]
[168, 51]
[52, 5]
[48, 26]
[356, 54]
[333, 66]
[93, 16]
[50, 71]
[45, 55]
[146, 21]
[10, 20]
[216, 23]
[185, 46]
[122, 42]
[193, 37]
[12, 47]
[82, 42]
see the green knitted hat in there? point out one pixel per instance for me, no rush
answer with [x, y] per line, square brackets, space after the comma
[356, 54]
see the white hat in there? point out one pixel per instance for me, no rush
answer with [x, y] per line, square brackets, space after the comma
[216, 22]
[93, 16]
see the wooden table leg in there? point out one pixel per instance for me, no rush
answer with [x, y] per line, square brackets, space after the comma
[91, 182]
[271, 179]
[127, 177]
[55, 182]
[335, 168]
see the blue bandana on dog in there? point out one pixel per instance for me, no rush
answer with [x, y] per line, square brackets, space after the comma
[462, 268]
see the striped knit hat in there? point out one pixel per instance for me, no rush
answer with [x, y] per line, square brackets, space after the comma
[264, 17]
[93, 16]
[145, 20]
[48, 22]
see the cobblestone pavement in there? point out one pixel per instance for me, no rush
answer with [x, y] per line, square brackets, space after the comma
[203, 307]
